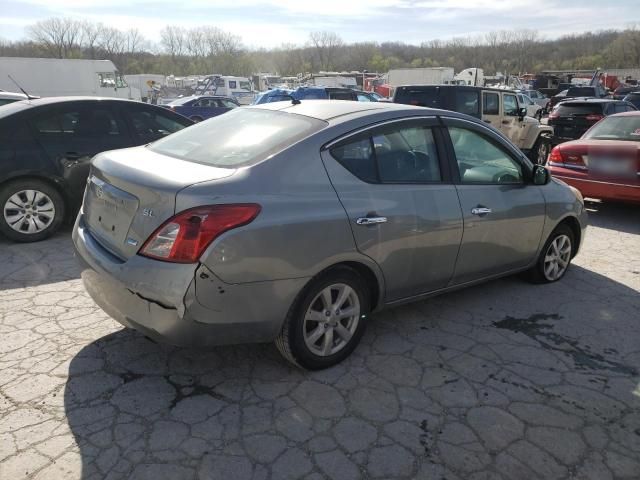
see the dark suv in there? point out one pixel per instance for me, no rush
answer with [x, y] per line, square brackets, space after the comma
[572, 118]
[46, 147]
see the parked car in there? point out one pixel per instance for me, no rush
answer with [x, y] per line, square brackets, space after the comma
[605, 162]
[10, 97]
[315, 93]
[556, 99]
[533, 109]
[497, 107]
[45, 150]
[633, 98]
[334, 210]
[538, 97]
[572, 118]
[623, 90]
[200, 107]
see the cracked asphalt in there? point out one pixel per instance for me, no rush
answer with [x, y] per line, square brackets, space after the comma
[501, 381]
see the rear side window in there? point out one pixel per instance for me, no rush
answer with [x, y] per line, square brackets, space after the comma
[397, 155]
[490, 103]
[467, 102]
[243, 136]
[341, 96]
[59, 121]
[421, 97]
[147, 122]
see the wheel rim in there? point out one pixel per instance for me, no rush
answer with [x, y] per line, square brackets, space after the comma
[331, 319]
[542, 153]
[557, 257]
[29, 211]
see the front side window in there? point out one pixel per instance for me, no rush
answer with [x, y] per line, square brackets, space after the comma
[228, 103]
[397, 155]
[482, 161]
[363, 98]
[153, 124]
[245, 86]
[340, 95]
[510, 105]
[107, 80]
[490, 103]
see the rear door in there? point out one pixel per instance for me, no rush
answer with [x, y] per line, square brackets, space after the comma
[71, 133]
[491, 108]
[404, 212]
[503, 214]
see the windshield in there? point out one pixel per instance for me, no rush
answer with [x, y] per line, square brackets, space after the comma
[243, 136]
[626, 127]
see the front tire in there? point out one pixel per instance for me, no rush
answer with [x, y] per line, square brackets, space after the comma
[540, 151]
[32, 210]
[555, 257]
[326, 321]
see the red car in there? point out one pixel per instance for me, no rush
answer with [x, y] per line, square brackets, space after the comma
[605, 162]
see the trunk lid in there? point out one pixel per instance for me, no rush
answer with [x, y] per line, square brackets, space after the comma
[131, 192]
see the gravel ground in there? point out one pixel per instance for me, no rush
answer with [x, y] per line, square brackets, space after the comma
[505, 380]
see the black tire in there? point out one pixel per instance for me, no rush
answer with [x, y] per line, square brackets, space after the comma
[291, 342]
[540, 151]
[52, 225]
[537, 273]
[196, 119]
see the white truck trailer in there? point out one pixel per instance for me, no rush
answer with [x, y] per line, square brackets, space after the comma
[53, 77]
[420, 76]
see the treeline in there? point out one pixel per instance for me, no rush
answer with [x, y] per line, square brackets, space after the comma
[209, 49]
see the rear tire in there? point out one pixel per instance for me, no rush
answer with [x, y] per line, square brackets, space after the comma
[326, 321]
[555, 257]
[30, 210]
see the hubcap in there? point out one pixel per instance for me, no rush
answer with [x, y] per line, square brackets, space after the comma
[557, 257]
[542, 153]
[29, 211]
[331, 319]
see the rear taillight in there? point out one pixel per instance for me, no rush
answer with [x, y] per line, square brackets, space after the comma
[553, 114]
[594, 117]
[184, 237]
[570, 156]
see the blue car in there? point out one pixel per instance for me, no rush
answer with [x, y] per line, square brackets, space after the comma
[314, 93]
[201, 107]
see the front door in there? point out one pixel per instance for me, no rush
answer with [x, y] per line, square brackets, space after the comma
[403, 210]
[503, 213]
[510, 123]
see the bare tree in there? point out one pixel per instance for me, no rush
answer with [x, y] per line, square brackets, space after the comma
[326, 45]
[58, 36]
[90, 37]
[172, 39]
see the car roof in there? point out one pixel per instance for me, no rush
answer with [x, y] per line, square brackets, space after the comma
[12, 95]
[331, 109]
[466, 87]
[590, 100]
[21, 105]
[632, 113]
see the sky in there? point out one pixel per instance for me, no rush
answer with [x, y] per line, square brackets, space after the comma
[270, 23]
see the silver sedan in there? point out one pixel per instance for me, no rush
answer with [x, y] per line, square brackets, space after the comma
[293, 222]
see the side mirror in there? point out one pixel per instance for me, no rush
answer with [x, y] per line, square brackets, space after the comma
[522, 112]
[541, 175]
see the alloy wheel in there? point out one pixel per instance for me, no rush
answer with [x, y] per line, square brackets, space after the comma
[29, 211]
[557, 257]
[331, 319]
[543, 153]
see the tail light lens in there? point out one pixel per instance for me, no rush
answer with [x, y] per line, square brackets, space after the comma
[553, 114]
[594, 117]
[569, 156]
[184, 237]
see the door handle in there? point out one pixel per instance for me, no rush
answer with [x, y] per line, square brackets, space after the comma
[370, 220]
[506, 122]
[487, 121]
[480, 211]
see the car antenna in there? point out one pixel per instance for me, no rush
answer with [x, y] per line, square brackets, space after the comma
[29, 97]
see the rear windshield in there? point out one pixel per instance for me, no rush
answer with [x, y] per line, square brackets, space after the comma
[243, 136]
[616, 128]
[581, 92]
[566, 109]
